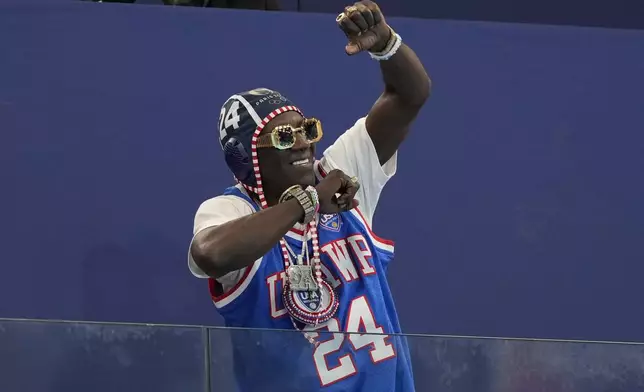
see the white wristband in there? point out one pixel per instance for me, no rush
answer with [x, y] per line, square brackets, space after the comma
[387, 54]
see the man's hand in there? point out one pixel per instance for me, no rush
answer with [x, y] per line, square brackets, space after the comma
[365, 27]
[336, 182]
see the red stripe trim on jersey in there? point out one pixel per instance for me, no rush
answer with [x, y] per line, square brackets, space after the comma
[383, 240]
[380, 239]
[214, 290]
[321, 170]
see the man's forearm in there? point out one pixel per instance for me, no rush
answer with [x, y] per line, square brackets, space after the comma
[407, 87]
[405, 76]
[237, 244]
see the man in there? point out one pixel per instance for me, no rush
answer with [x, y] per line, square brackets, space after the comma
[291, 246]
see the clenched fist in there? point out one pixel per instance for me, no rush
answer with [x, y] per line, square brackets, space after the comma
[336, 192]
[365, 27]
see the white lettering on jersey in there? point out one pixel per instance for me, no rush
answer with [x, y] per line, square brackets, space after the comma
[328, 276]
[343, 258]
[364, 333]
[338, 253]
[274, 293]
[363, 253]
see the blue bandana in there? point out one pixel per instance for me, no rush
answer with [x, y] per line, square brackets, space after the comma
[243, 113]
[241, 116]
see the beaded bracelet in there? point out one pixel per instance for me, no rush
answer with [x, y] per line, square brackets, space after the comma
[392, 47]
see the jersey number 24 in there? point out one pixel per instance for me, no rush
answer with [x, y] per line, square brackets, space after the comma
[359, 317]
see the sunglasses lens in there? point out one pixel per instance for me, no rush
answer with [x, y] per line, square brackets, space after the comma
[311, 131]
[285, 138]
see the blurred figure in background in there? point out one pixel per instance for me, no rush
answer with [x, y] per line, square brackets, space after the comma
[272, 5]
[239, 4]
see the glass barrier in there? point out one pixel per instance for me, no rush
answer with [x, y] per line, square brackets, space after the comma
[508, 365]
[440, 364]
[55, 356]
[37, 356]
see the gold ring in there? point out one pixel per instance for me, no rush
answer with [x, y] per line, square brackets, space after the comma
[351, 9]
[340, 16]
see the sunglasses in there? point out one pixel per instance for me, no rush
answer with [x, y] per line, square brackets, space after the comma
[283, 137]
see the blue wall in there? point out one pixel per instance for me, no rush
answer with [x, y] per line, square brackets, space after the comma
[606, 13]
[526, 164]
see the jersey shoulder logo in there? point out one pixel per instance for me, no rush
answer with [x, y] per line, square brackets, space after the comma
[331, 222]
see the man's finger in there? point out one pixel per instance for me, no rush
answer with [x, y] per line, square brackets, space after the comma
[347, 25]
[348, 205]
[366, 14]
[343, 188]
[366, 40]
[352, 187]
[344, 201]
[375, 11]
[359, 20]
[352, 48]
[355, 182]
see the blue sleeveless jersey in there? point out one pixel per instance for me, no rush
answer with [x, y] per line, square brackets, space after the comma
[355, 263]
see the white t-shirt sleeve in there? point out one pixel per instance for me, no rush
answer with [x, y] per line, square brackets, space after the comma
[355, 154]
[214, 212]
